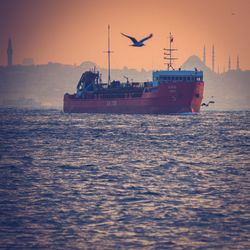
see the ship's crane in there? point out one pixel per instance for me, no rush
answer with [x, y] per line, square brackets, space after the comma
[109, 59]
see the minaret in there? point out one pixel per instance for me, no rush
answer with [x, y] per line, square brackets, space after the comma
[238, 63]
[9, 53]
[229, 63]
[204, 55]
[213, 58]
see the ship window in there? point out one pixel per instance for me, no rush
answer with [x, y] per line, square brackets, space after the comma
[197, 95]
[184, 79]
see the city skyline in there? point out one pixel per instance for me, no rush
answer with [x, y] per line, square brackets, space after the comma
[61, 35]
[27, 61]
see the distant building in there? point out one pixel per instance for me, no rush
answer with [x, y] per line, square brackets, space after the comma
[229, 63]
[9, 53]
[213, 58]
[28, 61]
[204, 55]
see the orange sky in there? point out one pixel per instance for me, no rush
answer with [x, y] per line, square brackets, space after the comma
[73, 31]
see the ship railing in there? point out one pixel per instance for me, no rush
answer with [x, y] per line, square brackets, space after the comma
[123, 85]
[180, 79]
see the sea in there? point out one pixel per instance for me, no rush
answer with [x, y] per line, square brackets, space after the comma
[105, 181]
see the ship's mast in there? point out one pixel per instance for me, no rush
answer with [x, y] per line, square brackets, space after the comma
[109, 52]
[169, 52]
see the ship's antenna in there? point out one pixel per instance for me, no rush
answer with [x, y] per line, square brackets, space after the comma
[169, 52]
[108, 51]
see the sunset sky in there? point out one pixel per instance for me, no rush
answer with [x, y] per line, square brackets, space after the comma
[73, 31]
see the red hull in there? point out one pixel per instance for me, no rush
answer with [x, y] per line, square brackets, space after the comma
[164, 99]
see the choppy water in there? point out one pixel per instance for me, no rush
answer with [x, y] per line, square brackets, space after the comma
[86, 181]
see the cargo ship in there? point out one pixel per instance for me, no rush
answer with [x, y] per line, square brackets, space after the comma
[169, 92]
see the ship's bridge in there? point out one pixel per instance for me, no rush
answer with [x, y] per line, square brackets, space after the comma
[170, 76]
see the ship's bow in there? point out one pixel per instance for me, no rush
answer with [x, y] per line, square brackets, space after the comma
[197, 97]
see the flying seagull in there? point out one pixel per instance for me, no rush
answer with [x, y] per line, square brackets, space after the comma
[138, 43]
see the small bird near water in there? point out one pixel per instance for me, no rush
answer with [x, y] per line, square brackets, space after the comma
[138, 43]
[207, 104]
